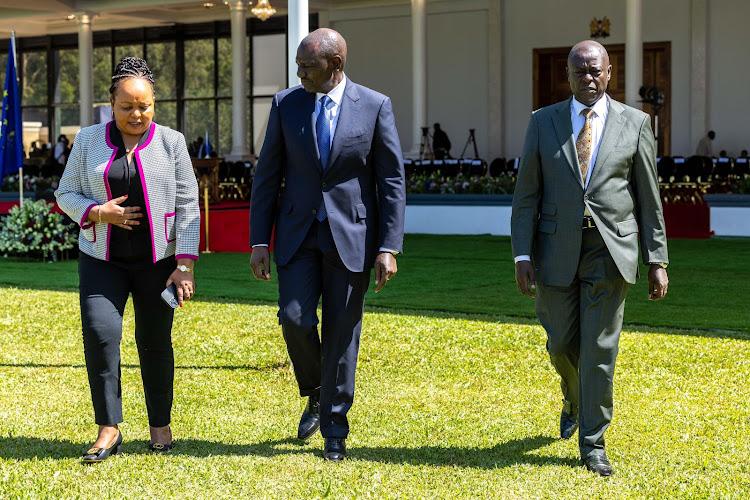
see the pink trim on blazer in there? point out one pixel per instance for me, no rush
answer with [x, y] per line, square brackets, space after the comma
[186, 256]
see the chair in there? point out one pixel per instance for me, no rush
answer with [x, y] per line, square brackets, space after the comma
[665, 169]
[497, 167]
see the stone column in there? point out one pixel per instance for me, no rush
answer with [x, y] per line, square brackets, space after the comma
[633, 52]
[495, 114]
[699, 123]
[419, 71]
[238, 16]
[298, 15]
[85, 66]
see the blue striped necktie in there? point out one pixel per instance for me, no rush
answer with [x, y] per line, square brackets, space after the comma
[323, 131]
[323, 134]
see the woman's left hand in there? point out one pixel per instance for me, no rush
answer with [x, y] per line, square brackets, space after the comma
[185, 284]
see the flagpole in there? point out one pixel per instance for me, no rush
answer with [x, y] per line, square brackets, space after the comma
[20, 169]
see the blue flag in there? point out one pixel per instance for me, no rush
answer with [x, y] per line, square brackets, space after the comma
[11, 132]
[205, 149]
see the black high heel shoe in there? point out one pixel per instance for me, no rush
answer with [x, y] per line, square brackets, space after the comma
[160, 448]
[96, 455]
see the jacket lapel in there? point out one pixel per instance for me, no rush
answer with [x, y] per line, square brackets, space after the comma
[348, 114]
[308, 129]
[564, 129]
[612, 129]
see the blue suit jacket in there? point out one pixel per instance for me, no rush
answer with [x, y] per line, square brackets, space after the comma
[363, 186]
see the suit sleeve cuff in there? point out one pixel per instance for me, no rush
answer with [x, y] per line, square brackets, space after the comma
[521, 258]
[383, 249]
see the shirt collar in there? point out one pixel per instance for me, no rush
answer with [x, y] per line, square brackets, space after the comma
[336, 94]
[599, 107]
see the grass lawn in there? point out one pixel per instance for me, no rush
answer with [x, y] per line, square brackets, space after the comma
[450, 403]
[709, 281]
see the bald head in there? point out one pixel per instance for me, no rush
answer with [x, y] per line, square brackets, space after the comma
[321, 58]
[589, 71]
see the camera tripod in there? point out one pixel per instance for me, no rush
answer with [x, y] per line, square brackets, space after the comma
[471, 140]
[425, 148]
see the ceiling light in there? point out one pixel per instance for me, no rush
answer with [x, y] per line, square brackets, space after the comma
[70, 17]
[208, 5]
[263, 10]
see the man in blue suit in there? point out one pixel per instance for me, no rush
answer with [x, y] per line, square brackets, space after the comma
[331, 177]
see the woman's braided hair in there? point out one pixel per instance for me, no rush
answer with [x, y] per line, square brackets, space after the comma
[130, 67]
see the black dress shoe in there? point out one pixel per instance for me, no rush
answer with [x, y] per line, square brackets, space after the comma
[310, 420]
[335, 449]
[568, 421]
[96, 455]
[599, 464]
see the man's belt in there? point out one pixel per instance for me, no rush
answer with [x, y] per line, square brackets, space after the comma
[588, 222]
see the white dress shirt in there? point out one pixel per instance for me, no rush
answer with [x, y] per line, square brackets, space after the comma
[598, 119]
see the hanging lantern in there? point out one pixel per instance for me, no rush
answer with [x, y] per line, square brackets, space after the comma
[263, 10]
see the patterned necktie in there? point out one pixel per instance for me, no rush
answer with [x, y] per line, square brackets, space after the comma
[583, 144]
[323, 131]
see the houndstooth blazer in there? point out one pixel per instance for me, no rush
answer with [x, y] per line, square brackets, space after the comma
[169, 188]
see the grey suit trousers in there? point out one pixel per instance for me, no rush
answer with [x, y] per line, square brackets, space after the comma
[583, 323]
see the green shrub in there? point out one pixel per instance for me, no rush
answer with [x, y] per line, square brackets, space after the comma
[35, 231]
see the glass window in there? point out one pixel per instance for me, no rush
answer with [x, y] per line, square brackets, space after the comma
[35, 129]
[165, 113]
[261, 109]
[67, 120]
[199, 68]
[102, 73]
[65, 76]
[161, 60]
[269, 64]
[34, 78]
[225, 66]
[128, 51]
[199, 119]
[225, 127]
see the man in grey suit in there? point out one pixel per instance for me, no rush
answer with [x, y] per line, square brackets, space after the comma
[331, 178]
[587, 193]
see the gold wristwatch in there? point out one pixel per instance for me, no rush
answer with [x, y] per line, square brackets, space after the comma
[184, 268]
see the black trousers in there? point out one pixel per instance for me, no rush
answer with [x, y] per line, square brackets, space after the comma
[325, 364]
[104, 289]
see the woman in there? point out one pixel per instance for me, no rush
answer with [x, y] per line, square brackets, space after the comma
[130, 185]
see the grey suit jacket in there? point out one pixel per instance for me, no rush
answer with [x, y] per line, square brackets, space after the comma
[622, 195]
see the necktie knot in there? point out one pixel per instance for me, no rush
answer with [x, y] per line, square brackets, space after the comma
[587, 112]
[326, 102]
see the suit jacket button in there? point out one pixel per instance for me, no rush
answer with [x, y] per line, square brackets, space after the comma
[323, 184]
[315, 211]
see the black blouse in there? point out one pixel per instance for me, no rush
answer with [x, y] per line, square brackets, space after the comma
[123, 177]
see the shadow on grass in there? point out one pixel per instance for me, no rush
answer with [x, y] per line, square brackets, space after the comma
[254, 368]
[507, 454]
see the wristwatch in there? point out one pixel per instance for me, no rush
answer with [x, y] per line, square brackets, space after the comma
[184, 268]
[663, 265]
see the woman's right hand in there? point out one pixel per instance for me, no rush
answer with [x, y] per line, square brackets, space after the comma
[112, 213]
